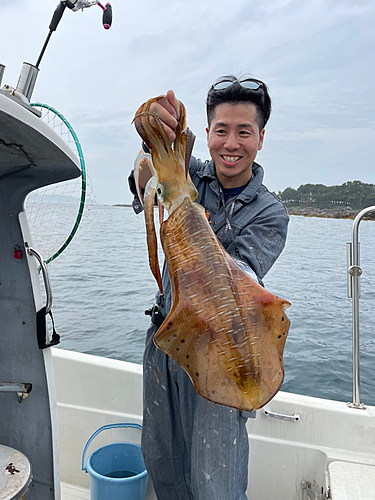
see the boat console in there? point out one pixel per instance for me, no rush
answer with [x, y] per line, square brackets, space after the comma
[31, 156]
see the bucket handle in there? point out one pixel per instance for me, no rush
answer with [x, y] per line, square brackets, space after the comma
[105, 427]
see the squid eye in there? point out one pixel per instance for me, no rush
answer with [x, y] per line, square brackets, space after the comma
[160, 192]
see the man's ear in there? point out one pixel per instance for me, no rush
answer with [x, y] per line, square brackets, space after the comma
[261, 139]
[207, 132]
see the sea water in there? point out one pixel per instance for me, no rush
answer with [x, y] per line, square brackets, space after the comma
[102, 285]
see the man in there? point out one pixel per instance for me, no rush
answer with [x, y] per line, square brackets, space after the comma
[195, 449]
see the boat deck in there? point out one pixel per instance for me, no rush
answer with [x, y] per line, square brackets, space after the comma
[70, 492]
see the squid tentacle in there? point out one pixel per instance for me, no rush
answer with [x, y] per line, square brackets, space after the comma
[152, 243]
[190, 139]
[152, 136]
[142, 161]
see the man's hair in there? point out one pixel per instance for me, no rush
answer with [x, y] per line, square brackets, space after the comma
[235, 94]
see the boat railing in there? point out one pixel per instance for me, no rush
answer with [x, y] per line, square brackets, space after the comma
[354, 274]
[47, 285]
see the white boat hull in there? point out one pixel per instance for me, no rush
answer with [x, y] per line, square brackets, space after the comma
[289, 460]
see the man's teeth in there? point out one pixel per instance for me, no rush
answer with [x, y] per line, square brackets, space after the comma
[231, 159]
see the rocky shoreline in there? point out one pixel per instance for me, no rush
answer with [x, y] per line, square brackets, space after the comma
[329, 213]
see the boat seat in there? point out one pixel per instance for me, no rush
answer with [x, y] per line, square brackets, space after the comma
[351, 481]
[15, 474]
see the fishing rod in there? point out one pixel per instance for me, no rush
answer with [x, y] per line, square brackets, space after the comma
[74, 5]
[29, 72]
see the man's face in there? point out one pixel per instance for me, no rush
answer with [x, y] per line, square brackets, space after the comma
[234, 140]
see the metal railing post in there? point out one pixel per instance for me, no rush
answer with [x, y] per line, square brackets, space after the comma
[354, 273]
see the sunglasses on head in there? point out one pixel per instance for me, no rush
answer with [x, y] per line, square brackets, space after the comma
[246, 83]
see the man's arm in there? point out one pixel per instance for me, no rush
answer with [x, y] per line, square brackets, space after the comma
[260, 243]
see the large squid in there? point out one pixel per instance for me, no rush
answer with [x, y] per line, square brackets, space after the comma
[226, 331]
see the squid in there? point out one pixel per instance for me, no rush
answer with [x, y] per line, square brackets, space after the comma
[225, 330]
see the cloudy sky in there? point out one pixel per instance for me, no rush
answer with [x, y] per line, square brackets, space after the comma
[317, 57]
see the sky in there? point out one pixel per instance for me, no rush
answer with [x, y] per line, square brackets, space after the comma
[316, 56]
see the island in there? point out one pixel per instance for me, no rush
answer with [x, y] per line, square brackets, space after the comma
[337, 202]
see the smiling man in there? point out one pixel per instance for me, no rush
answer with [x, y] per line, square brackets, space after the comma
[195, 449]
[234, 139]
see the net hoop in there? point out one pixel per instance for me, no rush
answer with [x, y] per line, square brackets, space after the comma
[83, 179]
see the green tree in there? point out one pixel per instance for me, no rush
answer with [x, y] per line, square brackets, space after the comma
[356, 194]
[289, 195]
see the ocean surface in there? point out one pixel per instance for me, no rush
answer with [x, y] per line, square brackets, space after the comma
[102, 285]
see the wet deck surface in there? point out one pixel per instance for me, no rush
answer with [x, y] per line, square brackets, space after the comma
[69, 492]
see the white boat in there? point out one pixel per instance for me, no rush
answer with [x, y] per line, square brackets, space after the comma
[53, 400]
[301, 448]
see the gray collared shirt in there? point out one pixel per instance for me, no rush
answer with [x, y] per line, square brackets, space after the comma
[259, 222]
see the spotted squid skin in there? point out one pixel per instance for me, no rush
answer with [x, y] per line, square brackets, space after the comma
[225, 330]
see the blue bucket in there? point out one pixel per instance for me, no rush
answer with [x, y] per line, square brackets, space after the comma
[117, 471]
